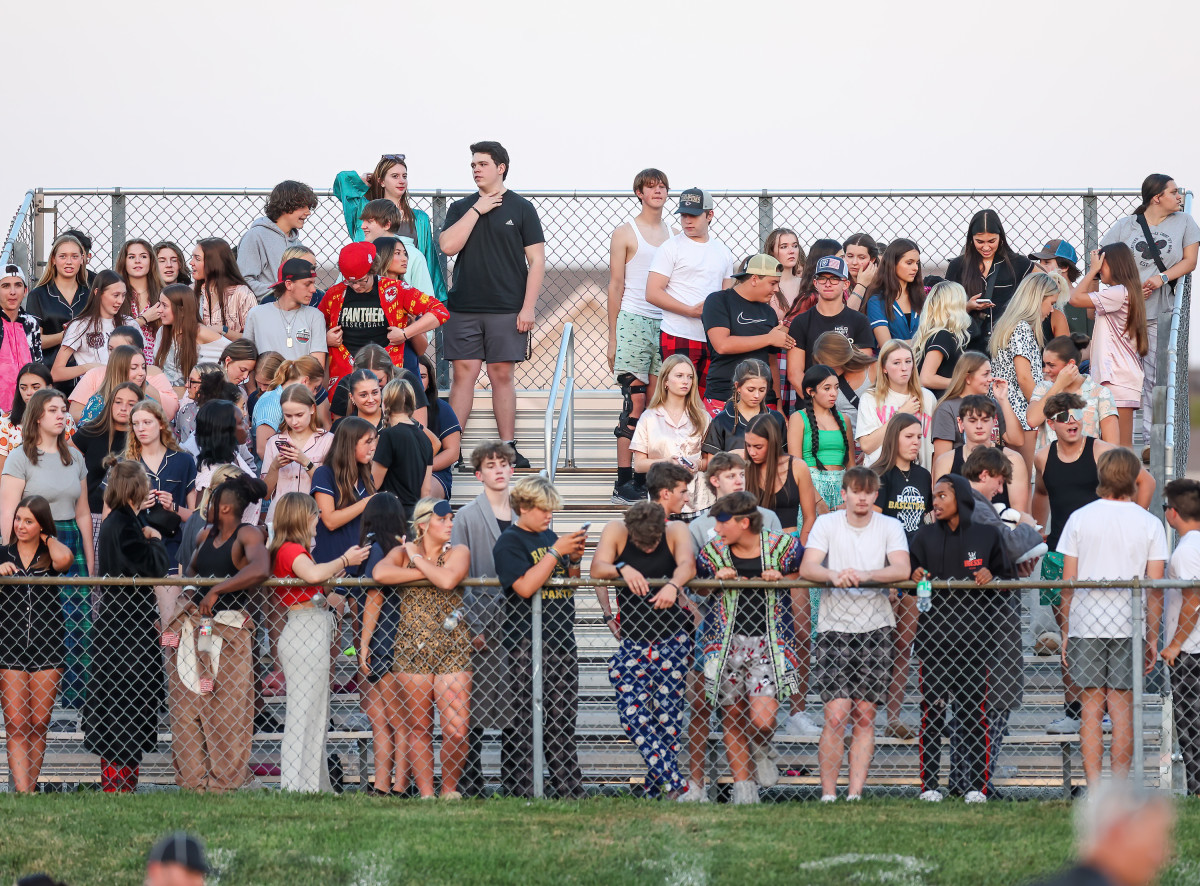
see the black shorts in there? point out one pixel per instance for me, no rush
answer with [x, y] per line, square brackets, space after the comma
[855, 666]
[492, 338]
[32, 658]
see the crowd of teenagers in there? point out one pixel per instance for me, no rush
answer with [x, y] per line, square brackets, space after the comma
[835, 416]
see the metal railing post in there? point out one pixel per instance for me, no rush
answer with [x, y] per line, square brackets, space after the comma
[118, 222]
[39, 235]
[1138, 770]
[766, 217]
[438, 205]
[1091, 223]
[539, 762]
[570, 401]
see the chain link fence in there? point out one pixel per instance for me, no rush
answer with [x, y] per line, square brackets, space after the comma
[578, 226]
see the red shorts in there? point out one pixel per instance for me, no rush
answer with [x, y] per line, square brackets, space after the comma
[696, 351]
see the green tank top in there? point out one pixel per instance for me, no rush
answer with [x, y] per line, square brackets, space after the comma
[831, 446]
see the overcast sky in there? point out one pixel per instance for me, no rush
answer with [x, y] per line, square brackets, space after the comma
[748, 95]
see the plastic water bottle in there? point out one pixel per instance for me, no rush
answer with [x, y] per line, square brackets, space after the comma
[924, 594]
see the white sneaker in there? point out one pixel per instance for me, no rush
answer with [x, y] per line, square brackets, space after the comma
[853, 798]
[802, 723]
[975, 797]
[931, 796]
[1106, 723]
[1063, 726]
[828, 798]
[766, 773]
[745, 793]
[695, 793]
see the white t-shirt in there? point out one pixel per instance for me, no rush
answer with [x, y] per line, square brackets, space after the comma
[1112, 540]
[89, 341]
[693, 271]
[855, 610]
[1185, 564]
[873, 416]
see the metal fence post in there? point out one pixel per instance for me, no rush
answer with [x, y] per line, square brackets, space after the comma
[1138, 770]
[766, 217]
[539, 762]
[118, 222]
[438, 205]
[39, 235]
[570, 402]
[1091, 223]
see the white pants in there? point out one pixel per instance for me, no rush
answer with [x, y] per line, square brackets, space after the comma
[1150, 373]
[304, 654]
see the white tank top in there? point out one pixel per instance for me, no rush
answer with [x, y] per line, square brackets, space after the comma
[637, 269]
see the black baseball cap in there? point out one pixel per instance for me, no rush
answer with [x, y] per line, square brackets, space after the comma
[295, 269]
[181, 848]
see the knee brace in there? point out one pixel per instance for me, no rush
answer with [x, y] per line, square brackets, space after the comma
[629, 387]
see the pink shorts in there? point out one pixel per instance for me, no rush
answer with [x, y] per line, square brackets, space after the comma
[1123, 397]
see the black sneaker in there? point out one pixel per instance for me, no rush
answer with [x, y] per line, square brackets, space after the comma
[628, 493]
[463, 467]
[522, 461]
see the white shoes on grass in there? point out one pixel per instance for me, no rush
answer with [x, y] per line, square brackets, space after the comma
[931, 796]
[745, 793]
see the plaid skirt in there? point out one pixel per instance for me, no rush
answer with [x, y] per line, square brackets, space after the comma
[77, 617]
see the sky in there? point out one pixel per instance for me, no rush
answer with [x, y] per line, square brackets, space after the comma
[928, 95]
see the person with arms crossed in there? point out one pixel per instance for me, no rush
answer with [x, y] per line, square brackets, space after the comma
[633, 323]
[1111, 538]
[649, 669]
[1182, 652]
[740, 324]
[855, 625]
[685, 271]
[498, 274]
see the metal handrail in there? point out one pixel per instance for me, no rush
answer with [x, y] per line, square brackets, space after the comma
[1177, 319]
[564, 376]
[18, 223]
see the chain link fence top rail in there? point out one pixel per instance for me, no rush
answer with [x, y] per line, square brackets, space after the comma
[578, 226]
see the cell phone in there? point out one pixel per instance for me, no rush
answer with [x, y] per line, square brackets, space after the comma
[585, 526]
[687, 463]
[369, 540]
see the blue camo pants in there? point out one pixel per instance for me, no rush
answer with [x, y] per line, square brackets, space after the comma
[649, 680]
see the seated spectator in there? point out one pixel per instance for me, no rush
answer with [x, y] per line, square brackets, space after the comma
[389, 181]
[749, 642]
[653, 627]
[182, 342]
[977, 421]
[855, 625]
[973, 375]
[259, 381]
[897, 294]
[197, 393]
[304, 646]
[941, 335]
[727, 430]
[86, 337]
[527, 555]
[829, 314]
[268, 412]
[806, 300]
[288, 325]
[820, 435]
[224, 296]
[154, 381]
[137, 266]
[674, 422]
[443, 424]
[20, 332]
[31, 378]
[61, 292]
[124, 677]
[172, 263]
[1061, 374]
[382, 218]
[862, 262]
[260, 252]
[371, 309]
[896, 389]
[125, 364]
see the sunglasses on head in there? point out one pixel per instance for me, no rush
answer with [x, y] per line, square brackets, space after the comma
[725, 518]
[398, 158]
[1068, 415]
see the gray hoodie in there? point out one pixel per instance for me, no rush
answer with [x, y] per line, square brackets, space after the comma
[261, 252]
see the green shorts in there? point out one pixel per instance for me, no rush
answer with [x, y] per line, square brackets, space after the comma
[1052, 570]
[637, 346]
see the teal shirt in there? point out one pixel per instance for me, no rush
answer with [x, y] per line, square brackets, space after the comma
[424, 270]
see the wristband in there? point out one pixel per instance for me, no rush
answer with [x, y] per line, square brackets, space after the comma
[609, 618]
[477, 212]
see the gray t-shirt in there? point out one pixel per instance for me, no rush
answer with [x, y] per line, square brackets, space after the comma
[1173, 235]
[49, 478]
[292, 333]
[945, 422]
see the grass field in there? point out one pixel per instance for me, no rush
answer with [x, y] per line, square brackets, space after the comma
[267, 838]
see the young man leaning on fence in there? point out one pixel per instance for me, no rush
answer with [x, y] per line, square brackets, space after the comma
[1112, 538]
[1182, 652]
[653, 626]
[855, 625]
[633, 323]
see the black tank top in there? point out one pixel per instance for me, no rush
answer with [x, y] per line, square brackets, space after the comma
[640, 621]
[787, 499]
[956, 467]
[217, 562]
[751, 616]
[1070, 485]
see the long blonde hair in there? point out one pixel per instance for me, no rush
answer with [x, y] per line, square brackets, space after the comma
[945, 308]
[882, 387]
[692, 406]
[293, 513]
[968, 364]
[1025, 307]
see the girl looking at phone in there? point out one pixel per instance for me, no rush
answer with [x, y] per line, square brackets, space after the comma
[291, 457]
[989, 271]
